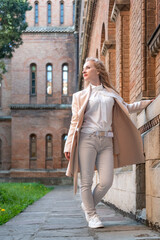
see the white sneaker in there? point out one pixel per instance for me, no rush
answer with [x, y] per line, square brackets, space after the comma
[86, 215]
[95, 222]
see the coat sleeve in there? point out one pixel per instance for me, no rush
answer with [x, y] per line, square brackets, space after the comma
[137, 106]
[74, 121]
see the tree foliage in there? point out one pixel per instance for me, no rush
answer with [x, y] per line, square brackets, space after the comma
[12, 24]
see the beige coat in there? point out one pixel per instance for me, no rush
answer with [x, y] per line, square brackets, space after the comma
[127, 143]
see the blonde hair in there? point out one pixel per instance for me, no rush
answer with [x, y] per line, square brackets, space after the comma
[103, 75]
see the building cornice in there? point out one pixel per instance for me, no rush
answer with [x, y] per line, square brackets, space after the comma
[108, 45]
[40, 106]
[5, 118]
[154, 42]
[49, 29]
[119, 5]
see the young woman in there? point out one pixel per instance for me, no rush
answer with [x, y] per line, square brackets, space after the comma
[102, 134]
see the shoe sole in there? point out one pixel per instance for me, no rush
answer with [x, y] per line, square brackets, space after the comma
[99, 226]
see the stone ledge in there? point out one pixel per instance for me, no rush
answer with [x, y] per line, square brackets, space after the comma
[40, 106]
[149, 116]
[154, 42]
[119, 5]
[107, 45]
[5, 118]
[43, 180]
[49, 29]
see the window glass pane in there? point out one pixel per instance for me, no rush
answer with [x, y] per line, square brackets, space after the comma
[33, 68]
[49, 68]
[65, 75]
[65, 80]
[49, 146]
[33, 75]
[33, 79]
[36, 13]
[65, 68]
[49, 13]
[49, 76]
[62, 13]
[73, 12]
[33, 146]
[49, 79]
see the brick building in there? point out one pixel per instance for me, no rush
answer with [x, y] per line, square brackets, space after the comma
[125, 35]
[36, 92]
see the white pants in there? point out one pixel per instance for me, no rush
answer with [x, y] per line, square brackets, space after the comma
[95, 150]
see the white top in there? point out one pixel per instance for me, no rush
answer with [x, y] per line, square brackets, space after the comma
[98, 114]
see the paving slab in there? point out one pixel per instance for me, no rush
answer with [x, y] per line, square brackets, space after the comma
[58, 215]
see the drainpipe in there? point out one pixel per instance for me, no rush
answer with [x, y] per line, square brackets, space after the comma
[76, 34]
[144, 83]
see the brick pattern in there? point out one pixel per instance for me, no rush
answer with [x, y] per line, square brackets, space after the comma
[41, 49]
[55, 13]
[157, 74]
[5, 136]
[135, 49]
[40, 123]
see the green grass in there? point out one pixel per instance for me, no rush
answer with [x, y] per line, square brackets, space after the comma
[15, 197]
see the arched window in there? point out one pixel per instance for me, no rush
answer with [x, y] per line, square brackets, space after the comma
[33, 147]
[49, 147]
[33, 70]
[73, 12]
[0, 153]
[61, 12]
[49, 13]
[36, 13]
[49, 75]
[65, 79]
[64, 138]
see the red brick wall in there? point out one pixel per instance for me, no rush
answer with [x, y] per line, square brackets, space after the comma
[42, 49]
[6, 90]
[40, 123]
[5, 136]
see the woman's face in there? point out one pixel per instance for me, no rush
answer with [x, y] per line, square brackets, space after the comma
[90, 73]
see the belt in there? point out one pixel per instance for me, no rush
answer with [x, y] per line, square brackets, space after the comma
[104, 133]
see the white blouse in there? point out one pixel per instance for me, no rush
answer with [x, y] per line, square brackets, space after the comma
[98, 114]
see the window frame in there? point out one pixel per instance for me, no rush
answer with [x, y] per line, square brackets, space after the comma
[31, 80]
[36, 12]
[49, 64]
[65, 64]
[30, 147]
[49, 23]
[61, 4]
[64, 135]
[46, 148]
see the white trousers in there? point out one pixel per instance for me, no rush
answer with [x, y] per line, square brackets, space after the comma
[95, 150]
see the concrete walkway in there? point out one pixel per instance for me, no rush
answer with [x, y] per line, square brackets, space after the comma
[58, 215]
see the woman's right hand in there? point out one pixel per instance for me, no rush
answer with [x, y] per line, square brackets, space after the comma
[67, 155]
